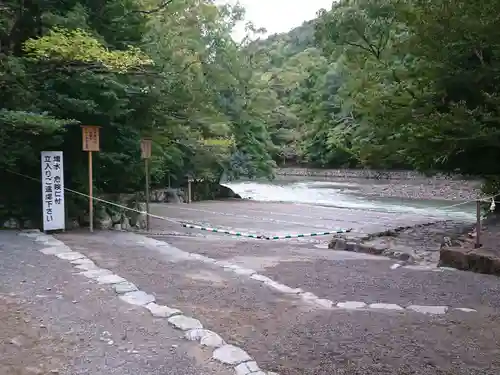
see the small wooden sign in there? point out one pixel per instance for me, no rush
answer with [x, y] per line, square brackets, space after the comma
[90, 137]
[146, 148]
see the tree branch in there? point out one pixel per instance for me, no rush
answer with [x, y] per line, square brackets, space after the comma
[164, 4]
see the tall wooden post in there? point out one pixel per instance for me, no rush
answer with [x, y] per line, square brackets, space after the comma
[146, 155]
[478, 224]
[91, 194]
[90, 143]
[189, 190]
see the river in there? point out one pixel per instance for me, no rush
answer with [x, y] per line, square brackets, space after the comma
[347, 195]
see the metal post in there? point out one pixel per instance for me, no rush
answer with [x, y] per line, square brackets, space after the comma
[91, 199]
[189, 191]
[146, 166]
[478, 224]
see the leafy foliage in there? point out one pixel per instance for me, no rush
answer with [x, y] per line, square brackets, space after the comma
[169, 70]
[391, 84]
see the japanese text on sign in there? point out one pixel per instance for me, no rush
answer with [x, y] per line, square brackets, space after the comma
[90, 137]
[53, 190]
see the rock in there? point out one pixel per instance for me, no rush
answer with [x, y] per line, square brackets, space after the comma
[282, 288]
[125, 224]
[246, 368]
[157, 196]
[226, 192]
[96, 273]
[205, 337]
[230, 355]
[103, 220]
[83, 260]
[308, 296]
[17, 341]
[140, 220]
[124, 287]
[53, 250]
[87, 267]
[110, 279]
[244, 271]
[72, 224]
[480, 260]
[184, 323]
[138, 298]
[261, 278]
[160, 311]
[73, 255]
[28, 224]
[116, 217]
[431, 310]
[385, 306]
[351, 305]
[117, 226]
[324, 303]
[12, 224]
[174, 195]
[351, 246]
[464, 309]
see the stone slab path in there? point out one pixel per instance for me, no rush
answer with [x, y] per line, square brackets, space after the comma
[294, 309]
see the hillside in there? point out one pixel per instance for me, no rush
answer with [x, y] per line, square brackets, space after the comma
[301, 83]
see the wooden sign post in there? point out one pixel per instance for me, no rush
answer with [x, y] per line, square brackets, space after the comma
[90, 138]
[190, 181]
[146, 155]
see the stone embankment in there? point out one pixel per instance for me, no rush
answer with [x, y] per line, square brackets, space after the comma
[461, 252]
[362, 173]
[419, 244]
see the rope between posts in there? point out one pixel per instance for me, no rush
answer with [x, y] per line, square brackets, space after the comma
[242, 234]
[187, 225]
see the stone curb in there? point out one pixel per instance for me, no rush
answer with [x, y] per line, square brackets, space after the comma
[229, 355]
[306, 297]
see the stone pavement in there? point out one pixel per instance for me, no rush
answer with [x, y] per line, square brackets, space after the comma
[297, 309]
[56, 321]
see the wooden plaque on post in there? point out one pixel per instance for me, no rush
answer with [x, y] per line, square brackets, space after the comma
[146, 148]
[90, 138]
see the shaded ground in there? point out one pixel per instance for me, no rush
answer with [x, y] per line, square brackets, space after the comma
[53, 321]
[288, 336]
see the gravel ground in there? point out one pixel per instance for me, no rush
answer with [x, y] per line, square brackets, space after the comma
[284, 334]
[420, 188]
[55, 322]
[447, 189]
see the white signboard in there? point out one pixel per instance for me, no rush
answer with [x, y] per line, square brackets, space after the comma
[53, 190]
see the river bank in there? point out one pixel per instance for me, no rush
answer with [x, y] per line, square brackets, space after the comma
[389, 184]
[371, 174]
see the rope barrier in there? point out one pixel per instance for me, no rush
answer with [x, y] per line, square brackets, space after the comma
[242, 234]
[187, 225]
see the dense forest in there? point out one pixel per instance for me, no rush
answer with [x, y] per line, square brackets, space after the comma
[378, 84]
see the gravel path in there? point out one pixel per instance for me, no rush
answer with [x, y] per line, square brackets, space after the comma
[53, 321]
[290, 336]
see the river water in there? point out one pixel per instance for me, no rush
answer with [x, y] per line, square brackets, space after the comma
[348, 195]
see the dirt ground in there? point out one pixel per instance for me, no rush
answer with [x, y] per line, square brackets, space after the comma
[26, 347]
